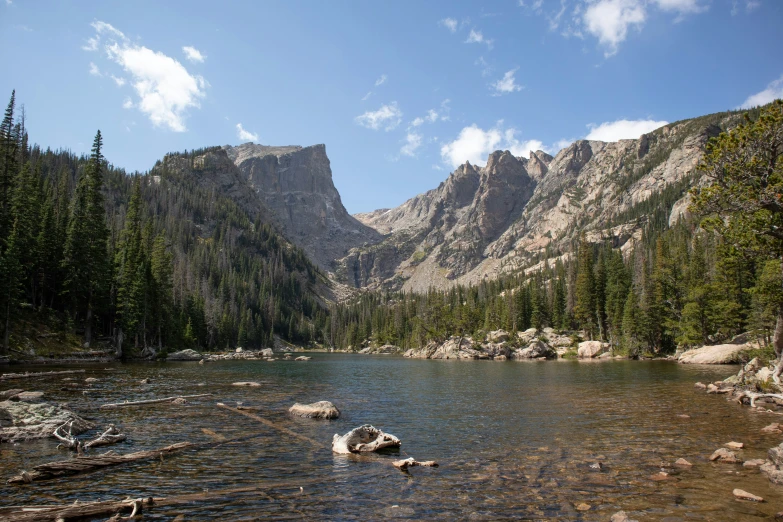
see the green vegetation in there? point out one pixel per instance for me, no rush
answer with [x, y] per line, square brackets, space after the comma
[139, 263]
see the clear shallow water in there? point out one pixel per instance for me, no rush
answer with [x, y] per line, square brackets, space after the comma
[514, 440]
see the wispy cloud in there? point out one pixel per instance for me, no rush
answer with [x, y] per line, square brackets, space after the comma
[380, 81]
[245, 135]
[127, 103]
[413, 141]
[773, 91]
[478, 37]
[622, 129]
[506, 85]
[450, 23]
[193, 54]
[118, 80]
[387, 117]
[164, 87]
[750, 6]
[610, 20]
[94, 70]
[367, 96]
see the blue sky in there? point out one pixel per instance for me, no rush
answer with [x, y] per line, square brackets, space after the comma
[400, 92]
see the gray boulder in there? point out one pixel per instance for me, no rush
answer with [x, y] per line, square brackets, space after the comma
[185, 355]
[36, 420]
[717, 354]
[316, 410]
[267, 352]
[535, 350]
[591, 349]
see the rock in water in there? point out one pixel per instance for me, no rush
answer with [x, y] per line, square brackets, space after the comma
[267, 352]
[316, 410]
[363, 439]
[724, 455]
[682, 462]
[734, 445]
[591, 349]
[184, 355]
[36, 420]
[744, 495]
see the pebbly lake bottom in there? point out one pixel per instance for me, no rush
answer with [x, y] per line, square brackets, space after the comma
[514, 440]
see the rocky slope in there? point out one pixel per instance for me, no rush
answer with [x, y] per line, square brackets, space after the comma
[483, 221]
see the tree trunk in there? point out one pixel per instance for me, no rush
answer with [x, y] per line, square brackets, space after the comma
[88, 323]
[120, 339]
[777, 343]
[7, 333]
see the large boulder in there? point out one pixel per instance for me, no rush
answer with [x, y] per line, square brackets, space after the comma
[527, 336]
[36, 420]
[591, 349]
[364, 439]
[494, 350]
[267, 353]
[535, 350]
[456, 348]
[316, 410]
[185, 355]
[716, 354]
[497, 336]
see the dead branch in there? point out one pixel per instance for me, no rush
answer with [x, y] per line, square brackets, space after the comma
[753, 397]
[28, 375]
[153, 401]
[111, 436]
[86, 464]
[271, 425]
[404, 464]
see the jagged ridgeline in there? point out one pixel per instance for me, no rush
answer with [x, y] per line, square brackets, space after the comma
[603, 248]
[155, 260]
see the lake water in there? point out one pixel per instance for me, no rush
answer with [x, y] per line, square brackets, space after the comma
[513, 439]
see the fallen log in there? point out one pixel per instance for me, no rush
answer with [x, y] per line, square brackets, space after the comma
[91, 463]
[28, 375]
[753, 397]
[271, 425]
[410, 462]
[152, 401]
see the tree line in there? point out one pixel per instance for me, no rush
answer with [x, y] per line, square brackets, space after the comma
[698, 282]
[139, 262]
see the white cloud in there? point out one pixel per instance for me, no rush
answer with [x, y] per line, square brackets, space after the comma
[94, 70]
[388, 116]
[478, 37]
[245, 135]
[127, 104]
[681, 6]
[622, 129]
[432, 116]
[449, 23]
[193, 54]
[773, 91]
[91, 45]
[474, 144]
[417, 122]
[412, 142]
[507, 84]
[445, 110]
[380, 81]
[367, 96]
[165, 89]
[118, 80]
[609, 20]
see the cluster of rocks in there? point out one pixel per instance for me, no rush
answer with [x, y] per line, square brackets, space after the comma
[239, 354]
[23, 420]
[499, 345]
[380, 350]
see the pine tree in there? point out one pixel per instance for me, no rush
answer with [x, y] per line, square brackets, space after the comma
[585, 308]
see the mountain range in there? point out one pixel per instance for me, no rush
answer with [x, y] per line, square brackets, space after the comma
[480, 222]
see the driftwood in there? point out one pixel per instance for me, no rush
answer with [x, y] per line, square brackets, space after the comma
[271, 424]
[753, 397]
[364, 439]
[27, 375]
[68, 440]
[87, 464]
[153, 401]
[411, 462]
[111, 436]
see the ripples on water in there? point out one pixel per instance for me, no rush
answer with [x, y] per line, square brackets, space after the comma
[514, 440]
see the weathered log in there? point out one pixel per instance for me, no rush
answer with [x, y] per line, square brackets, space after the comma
[364, 439]
[152, 401]
[753, 397]
[111, 436]
[68, 440]
[91, 463]
[271, 424]
[27, 375]
[404, 464]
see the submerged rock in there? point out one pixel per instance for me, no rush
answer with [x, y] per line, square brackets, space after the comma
[316, 410]
[363, 439]
[724, 455]
[30, 420]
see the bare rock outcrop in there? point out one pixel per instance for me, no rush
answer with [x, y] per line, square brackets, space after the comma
[185, 355]
[36, 420]
[716, 354]
[592, 349]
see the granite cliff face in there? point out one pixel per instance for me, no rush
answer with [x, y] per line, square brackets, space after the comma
[484, 221]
